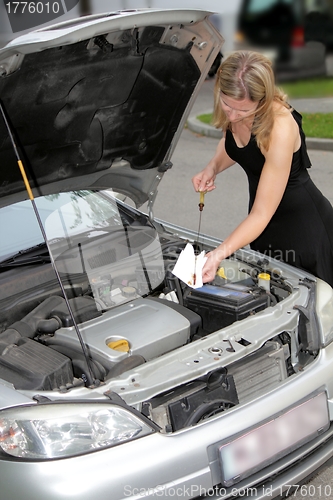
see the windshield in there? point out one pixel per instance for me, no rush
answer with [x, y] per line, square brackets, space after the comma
[90, 234]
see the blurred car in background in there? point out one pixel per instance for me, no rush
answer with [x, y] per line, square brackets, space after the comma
[298, 32]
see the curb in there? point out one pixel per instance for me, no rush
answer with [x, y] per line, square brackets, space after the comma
[201, 128]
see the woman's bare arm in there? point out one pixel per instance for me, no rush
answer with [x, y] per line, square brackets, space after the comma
[204, 180]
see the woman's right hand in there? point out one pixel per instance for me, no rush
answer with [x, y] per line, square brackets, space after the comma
[205, 180]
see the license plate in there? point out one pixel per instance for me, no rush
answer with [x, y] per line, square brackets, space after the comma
[273, 439]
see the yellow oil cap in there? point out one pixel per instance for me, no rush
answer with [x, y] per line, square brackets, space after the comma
[119, 345]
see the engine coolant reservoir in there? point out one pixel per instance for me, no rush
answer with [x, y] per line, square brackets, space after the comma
[264, 281]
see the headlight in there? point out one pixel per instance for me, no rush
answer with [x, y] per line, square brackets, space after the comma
[63, 430]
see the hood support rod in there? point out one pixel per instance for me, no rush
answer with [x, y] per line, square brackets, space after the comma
[90, 375]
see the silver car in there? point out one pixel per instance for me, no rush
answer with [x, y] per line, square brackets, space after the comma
[117, 379]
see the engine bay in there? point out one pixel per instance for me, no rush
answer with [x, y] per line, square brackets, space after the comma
[136, 327]
[177, 354]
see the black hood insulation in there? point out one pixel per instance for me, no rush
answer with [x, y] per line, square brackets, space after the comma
[75, 108]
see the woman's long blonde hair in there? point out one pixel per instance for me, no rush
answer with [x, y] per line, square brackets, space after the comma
[249, 75]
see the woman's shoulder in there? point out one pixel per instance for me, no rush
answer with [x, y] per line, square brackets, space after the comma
[283, 115]
[281, 108]
[285, 127]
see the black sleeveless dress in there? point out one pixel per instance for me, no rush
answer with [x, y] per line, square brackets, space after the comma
[301, 230]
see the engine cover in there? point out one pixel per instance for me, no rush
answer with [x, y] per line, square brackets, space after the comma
[151, 328]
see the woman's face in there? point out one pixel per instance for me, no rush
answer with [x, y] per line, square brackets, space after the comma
[236, 110]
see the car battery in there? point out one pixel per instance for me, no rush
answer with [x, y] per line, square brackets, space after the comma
[221, 306]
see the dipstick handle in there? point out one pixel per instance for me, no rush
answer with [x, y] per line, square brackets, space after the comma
[202, 200]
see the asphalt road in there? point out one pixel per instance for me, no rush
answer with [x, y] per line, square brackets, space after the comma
[224, 209]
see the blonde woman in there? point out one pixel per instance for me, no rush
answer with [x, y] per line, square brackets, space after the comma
[288, 217]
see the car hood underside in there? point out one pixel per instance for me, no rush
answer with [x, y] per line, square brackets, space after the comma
[77, 109]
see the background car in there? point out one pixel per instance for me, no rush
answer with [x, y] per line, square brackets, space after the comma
[298, 31]
[117, 377]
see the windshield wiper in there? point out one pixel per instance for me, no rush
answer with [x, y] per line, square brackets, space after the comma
[28, 256]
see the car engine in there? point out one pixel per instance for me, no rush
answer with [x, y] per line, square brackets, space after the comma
[144, 322]
[41, 351]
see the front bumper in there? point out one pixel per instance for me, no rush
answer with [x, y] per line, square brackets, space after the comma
[178, 465]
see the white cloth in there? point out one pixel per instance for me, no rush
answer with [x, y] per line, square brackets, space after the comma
[189, 267]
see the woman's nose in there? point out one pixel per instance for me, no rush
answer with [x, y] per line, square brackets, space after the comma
[232, 114]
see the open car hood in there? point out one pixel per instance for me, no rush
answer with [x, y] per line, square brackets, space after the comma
[101, 101]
